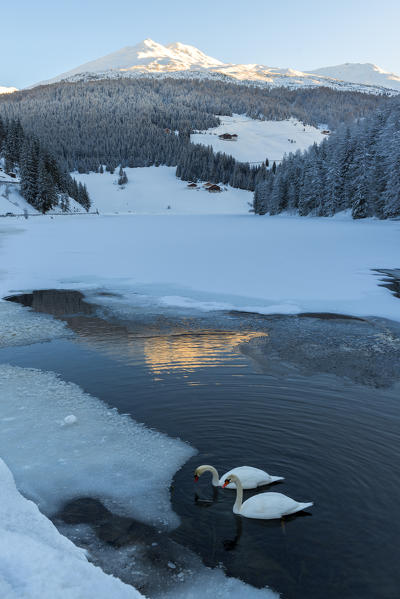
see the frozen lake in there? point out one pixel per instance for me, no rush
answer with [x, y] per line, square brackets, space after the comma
[229, 385]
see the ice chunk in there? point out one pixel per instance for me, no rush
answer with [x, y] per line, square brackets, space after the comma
[19, 326]
[37, 562]
[105, 455]
[213, 584]
[162, 570]
[71, 419]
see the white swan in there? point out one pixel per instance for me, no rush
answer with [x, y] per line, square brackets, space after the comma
[250, 477]
[265, 506]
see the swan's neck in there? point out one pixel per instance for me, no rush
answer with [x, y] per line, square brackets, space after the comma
[215, 476]
[239, 497]
[207, 468]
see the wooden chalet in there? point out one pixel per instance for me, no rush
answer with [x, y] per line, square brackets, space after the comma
[214, 188]
[228, 136]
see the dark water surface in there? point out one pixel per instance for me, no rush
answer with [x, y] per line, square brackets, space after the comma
[335, 440]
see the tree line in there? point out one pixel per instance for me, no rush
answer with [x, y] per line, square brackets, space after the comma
[357, 169]
[43, 182]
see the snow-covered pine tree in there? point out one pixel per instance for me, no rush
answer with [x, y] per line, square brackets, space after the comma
[28, 168]
[46, 197]
[83, 197]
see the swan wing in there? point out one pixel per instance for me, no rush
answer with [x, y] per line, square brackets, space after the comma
[250, 477]
[268, 506]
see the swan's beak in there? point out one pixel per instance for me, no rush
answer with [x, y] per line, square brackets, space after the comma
[196, 478]
[226, 483]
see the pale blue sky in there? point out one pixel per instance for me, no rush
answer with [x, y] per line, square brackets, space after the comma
[42, 38]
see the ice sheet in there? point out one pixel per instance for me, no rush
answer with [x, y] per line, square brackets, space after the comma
[20, 326]
[100, 454]
[282, 264]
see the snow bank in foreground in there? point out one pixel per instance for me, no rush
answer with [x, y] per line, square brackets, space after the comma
[20, 326]
[36, 562]
[102, 454]
[258, 140]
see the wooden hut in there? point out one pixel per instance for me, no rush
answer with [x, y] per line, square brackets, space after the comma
[214, 188]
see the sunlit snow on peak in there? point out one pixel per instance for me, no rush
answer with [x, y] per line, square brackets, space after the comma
[149, 58]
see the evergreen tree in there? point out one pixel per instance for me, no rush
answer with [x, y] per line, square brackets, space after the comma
[29, 171]
[47, 197]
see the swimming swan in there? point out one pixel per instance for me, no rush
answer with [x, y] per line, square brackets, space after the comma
[265, 506]
[250, 477]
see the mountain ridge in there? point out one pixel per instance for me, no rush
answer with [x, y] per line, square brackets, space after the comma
[364, 73]
[149, 58]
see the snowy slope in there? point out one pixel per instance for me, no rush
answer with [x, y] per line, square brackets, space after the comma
[365, 73]
[150, 190]
[7, 90]
[258, 140]
[12, 202]
[149, 58]
[147, 55]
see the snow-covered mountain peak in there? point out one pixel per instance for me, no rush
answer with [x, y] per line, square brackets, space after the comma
[149, 58]
[7, 90]
[193, 55]
[365, 73]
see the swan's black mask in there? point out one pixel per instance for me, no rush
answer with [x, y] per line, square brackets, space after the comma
[196, 478]
[226, 483]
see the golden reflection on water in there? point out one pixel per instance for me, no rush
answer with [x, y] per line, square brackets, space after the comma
[189, 352]
[178, 350]
[163, 350]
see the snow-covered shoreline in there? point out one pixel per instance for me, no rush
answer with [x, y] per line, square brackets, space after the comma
[37, 562]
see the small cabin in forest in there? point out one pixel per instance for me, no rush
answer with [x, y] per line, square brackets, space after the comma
[228, 136]
[192, 185]
[214, 188]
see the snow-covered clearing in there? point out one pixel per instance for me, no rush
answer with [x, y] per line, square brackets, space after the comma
[258, 140]
[156, 190]
[275, 264]
[36, 562]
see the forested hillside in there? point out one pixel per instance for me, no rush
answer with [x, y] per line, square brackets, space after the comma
[43, 182]
[358, 168]
[132, 122]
